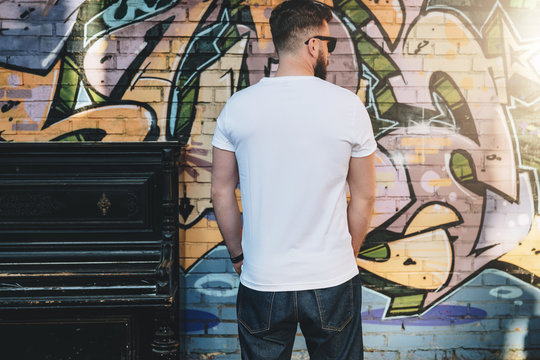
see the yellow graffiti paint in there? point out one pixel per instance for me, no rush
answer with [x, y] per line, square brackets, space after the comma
[238, 198]
[111, 119]
[426, 141]
[426, 151]
[440, 182]
[432, 216]
[420, 261]
[412, 141]
[406, 304]
[198, 241]
[385, 178]
[450, 55]
[361, 93]
[415, 159]
[378, 159]
[527, 255]
[467, 83]
[454, 33]
[390, 16]
[424, 146]
[14, 123]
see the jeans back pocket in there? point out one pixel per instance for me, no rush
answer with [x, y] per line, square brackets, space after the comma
[335, 306]
[254, 309]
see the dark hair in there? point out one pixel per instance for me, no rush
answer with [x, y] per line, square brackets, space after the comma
[293, 18]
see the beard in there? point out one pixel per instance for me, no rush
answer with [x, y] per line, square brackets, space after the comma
[320, 66]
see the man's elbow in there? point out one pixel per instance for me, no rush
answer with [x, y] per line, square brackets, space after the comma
[371, 199]
[364, 201]
[220, 192]
[215, 193]
[370, 195]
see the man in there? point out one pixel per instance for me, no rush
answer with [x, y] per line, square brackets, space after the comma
[293, 142]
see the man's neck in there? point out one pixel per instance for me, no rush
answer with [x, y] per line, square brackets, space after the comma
[293, 66]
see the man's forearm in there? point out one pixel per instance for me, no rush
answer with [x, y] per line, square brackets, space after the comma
[359, 217]
[229, 220]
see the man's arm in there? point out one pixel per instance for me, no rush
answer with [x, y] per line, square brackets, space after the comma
[361, 179]
[224, 181]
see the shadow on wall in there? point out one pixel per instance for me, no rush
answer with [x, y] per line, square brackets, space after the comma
[524, 320]
[493, 316]
[513, 303]
[208, 307]
[532, 339]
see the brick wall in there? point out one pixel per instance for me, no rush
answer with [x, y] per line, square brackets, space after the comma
[450, 266]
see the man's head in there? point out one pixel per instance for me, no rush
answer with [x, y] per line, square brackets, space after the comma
[303, 24]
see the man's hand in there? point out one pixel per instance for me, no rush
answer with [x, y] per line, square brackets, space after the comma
[361, 179]
[224, 181]
[238, 267]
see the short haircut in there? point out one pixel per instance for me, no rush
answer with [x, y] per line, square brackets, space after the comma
[294, 18]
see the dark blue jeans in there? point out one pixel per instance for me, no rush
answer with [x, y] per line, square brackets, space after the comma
[329, 318]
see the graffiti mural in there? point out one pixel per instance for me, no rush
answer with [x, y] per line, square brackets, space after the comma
[452, 88]
[445, 133]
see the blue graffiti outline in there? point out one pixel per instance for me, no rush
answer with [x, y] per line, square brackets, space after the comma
[122, 23]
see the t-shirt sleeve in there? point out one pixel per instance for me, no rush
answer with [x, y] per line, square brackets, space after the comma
[221, 137]
[364, 143]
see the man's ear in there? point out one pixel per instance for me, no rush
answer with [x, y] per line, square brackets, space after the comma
[313, 48]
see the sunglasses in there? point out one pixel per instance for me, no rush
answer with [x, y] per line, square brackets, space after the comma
[332, 41]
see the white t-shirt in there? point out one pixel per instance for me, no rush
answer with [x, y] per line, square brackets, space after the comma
[293, 138]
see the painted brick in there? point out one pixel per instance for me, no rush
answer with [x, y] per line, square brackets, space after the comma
[190, 325]
[472, 354]
[528, 354]
[19, 93]
[222, 94]
[200, 190]
[227, 357]
[534, 323]
[203, 204]
[426, 355]
[206, 94]
[469, 340]
[514, 339]
[214, 266]
[113, 126]
[192, 296]
[488, 325]
[515, 324]
[209, 127]
[300, 355]
[204, 236]
[230, 62]
[227, 300]
[204, 176]
[228, 313]
[382, 355]
[405, 341]
[375, 340]
[299, 343]
[208, 344]
[26, 30]
[224, 328]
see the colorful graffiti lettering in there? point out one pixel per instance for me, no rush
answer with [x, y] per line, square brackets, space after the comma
[453, 92]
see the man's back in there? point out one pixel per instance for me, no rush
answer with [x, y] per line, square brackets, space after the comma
[293, 138]
[294, 142]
